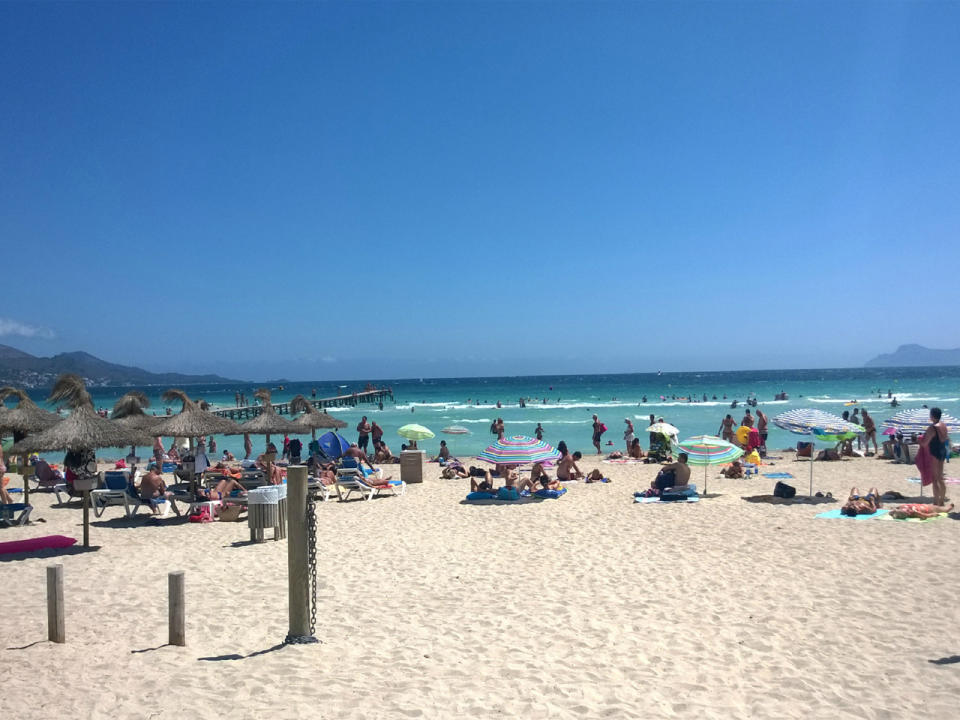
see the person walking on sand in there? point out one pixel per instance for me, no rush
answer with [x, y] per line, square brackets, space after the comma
[628, 435]
[869, 433]
[936, 440]
[597, 434]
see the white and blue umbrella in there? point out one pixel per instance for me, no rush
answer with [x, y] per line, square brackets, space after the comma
[804, 421]
[918, 420]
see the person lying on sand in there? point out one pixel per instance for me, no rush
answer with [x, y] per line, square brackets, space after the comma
[485, 485]
[858, 504]
[829, 454]
[595, 476]
[735, 471]
[919, 510]
[538, 477]
[454, 470]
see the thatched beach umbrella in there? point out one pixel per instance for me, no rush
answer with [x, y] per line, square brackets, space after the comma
[24, 419]
[128, 411]
[192, 421]
[82, 430]
[312, 419]
[269, 423]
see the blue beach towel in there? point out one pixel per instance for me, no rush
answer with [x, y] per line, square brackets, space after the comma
[778, 476]
[835, 513]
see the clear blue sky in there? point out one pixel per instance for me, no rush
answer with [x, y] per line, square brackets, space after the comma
[498, 188]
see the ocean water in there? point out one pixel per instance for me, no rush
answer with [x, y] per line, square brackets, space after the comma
[564, 404]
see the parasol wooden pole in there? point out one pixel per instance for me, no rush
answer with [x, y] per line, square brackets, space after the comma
[86, 518]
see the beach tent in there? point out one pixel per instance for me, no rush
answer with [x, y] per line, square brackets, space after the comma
[332, 445]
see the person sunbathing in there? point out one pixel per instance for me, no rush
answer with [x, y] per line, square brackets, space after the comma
[537, 476]
[226, 487]
[636, 452]
[919, 510]
[548, 484]
[227, 456]
[384, 454]
[734, 472]
[153, 488]
[485, 485]
[454, 470]
[594, 476]
[355, 452]
[858, 504]
[829, 454]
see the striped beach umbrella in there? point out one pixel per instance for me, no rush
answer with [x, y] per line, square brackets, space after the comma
[519, 450]
[824, 425]
[708, 450]
[917, 421]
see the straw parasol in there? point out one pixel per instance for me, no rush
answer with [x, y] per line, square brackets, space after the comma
[268, 422]
[192, 421]
[82, 430]
[128, 411]
[26, 417]
[312, 419]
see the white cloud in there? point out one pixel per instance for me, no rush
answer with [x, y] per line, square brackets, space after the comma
[12, 327]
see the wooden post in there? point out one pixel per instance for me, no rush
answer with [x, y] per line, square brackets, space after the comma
[298, 579]
[86, 518]
[22, 467]
[56, 626]
[178, 612]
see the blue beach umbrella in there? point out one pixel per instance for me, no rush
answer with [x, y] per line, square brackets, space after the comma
[918, 420]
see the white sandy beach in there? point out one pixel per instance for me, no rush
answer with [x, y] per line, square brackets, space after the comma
[585, 607]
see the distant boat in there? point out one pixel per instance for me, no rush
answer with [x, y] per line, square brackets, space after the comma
[659, 372]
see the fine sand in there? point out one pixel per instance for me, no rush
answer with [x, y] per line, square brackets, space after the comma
[589, 606]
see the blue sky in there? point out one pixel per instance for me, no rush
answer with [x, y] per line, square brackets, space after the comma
[406, 189]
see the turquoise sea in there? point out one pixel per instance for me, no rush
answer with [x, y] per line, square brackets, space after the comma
[564, 404]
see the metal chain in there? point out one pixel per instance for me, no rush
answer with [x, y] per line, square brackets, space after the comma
[312, 558]
[312, 566]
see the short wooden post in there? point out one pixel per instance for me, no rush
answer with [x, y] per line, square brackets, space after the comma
[298, 578]
[178, 612]
[56, 625]
[86, 518]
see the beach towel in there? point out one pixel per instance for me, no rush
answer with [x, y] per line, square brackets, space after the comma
[835, 513]
[795, 500]
[622, 461]
[778, 475]
[917, 520]
[924, 463]
[649, 500]
[914, 480]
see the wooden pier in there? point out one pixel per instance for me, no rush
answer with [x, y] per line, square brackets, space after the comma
[358, 398]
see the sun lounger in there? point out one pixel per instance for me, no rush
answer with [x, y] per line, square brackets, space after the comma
[117, 491]
[351, 478]
[15, 514]
[46, 479]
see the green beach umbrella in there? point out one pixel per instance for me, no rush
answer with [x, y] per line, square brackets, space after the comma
[709, 450]
[415, 432]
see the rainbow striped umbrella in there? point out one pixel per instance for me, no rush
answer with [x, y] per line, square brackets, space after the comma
[708, 450]
[519, 450]
[917, 421]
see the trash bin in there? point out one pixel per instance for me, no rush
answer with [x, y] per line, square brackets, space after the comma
[263, 511]
[411, 466]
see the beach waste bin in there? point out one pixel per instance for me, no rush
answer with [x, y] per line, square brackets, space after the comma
[266, 508]
[411, 466]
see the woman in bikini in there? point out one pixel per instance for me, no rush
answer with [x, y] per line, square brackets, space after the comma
[858, 504]
[919, 510]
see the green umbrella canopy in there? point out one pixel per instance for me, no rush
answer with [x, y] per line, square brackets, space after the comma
[313, 419]
[26, 417]
[82, 429]
[192, 421]
[415, 432]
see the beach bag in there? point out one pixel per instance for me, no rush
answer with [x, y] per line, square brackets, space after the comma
[603, 428]
[782, 490]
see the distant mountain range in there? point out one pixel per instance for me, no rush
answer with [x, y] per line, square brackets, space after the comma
[915, 356]
[25, 370]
